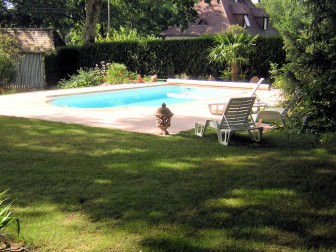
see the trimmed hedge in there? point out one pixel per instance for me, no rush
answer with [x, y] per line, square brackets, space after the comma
[166, 58]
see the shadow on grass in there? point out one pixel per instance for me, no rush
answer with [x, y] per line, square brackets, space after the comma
[181, 193]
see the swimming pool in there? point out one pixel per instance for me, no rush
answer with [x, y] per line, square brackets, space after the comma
[147, 96]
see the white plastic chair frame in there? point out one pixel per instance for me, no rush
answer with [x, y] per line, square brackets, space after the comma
[277, 114]
[236, 117]
[219, 108]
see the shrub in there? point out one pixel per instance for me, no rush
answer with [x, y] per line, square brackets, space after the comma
[83, 78]
[117, 74]
[114, 73]
[9, 59]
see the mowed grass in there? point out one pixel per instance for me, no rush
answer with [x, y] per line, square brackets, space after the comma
[90, 189]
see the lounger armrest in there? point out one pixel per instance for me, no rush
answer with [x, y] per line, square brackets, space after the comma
[257, 106]
[217, 108]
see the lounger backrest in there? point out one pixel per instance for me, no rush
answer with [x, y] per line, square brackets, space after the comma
[297, 97]
[237, 113]
[254, 90]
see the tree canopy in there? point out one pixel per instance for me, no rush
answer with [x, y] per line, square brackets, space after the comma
[58, 14]
[148, 17]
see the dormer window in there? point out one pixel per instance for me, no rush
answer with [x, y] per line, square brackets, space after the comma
[265, 24]
[202, 22]
[246, 22]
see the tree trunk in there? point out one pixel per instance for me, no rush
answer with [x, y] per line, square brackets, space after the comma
[92, 9]
[234, 71]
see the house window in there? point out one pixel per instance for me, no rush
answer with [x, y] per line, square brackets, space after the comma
[246, 22]
[202, 22]
[265, 25]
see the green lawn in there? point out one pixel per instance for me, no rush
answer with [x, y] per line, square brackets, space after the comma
[90, 189]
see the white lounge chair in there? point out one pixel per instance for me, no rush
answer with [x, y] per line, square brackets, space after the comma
[218, 108]
[236, 117]
[258, 104]
[271, 115]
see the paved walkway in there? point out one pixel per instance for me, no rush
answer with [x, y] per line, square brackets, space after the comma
[136, 119]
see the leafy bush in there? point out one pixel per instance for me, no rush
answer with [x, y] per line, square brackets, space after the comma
[282, 78]
[328, 139]
[7, 70]
[12, 89]
[83, 78]
[114, 73]
[117, 74]
[9, 59]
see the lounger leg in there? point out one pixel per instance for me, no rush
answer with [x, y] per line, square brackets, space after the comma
[199, 129]
[224, 139]
[256, 136]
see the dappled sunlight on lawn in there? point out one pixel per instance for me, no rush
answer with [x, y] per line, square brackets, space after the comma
[175, 165]
[90, 189]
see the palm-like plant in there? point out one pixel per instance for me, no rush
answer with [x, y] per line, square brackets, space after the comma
[232, 48]
[5, 212]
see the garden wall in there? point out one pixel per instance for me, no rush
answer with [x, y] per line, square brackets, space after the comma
[167, 58]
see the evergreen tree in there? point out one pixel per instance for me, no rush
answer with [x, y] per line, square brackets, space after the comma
[312, 57]
[308, 29]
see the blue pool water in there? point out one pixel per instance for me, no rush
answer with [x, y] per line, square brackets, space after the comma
[147, 96]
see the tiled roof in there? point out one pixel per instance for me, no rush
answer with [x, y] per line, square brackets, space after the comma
[238, 9]
[217, 17]
[35, 40]
[258, 12]
[212, 15]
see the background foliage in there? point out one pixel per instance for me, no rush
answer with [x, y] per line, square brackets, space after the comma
[148, 17]
[308, 28]
[166, 58]
[232, 49]
[9, 58]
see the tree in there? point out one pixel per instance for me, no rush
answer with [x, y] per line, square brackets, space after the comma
[233, 46]
[149, 17]
[92, 11]
[312, 57]
[288, 17]
[9, 59]
[308, 28]
[59, 14]
[285, 15]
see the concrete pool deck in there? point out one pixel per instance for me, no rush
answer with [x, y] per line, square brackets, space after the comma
[135, 119]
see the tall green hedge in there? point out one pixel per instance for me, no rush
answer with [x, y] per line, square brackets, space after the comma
[166, 58]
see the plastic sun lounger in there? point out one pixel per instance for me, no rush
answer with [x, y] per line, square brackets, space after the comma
[277, 114]
[219, 108]
[236, 117]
